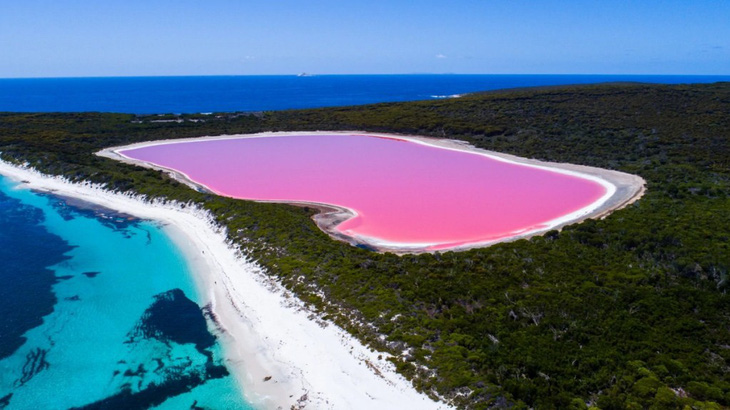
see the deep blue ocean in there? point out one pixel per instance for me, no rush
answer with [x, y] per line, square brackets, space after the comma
[148, 95]
[99, 310]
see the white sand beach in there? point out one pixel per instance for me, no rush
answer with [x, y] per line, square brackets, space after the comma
[282, 354]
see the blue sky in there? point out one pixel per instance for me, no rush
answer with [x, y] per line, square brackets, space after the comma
[40, 38]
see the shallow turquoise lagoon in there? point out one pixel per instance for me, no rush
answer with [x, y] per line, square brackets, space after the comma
[112, 322]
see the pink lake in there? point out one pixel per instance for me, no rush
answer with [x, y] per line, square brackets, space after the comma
[404, 193]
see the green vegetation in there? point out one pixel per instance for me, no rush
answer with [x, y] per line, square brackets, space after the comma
[630, 311]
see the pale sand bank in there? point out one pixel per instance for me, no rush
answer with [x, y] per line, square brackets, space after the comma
[621, 188]
[266, 332]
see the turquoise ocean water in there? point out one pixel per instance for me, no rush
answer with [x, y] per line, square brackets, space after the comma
[100, 311]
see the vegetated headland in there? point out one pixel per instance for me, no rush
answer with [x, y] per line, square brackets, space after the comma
[625, 311]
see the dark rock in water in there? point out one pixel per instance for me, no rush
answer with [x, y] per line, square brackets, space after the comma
[215, 371]
[35, 362]
[152, 395]
[160, 364]
[156, 394]
[5, 400]
[69, 208]
[173, 317]
[90, 274]
[74, 298]
[139, 372]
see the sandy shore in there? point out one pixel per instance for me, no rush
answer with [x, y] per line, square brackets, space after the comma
[283, 356]
[621, 188]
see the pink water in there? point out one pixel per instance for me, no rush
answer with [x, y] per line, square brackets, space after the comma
[403, 192]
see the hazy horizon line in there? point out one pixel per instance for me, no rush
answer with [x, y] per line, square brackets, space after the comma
[306, 74]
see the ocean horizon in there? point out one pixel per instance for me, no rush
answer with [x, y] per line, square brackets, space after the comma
[202, 94]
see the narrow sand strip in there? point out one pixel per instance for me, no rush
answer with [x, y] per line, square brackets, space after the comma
[621, 188]
[267, 332]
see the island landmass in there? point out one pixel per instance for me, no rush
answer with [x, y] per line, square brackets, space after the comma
[624, 311]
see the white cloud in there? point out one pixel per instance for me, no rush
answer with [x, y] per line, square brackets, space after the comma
[439, 55]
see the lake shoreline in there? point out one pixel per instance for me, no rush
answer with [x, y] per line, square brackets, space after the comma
[622, 189]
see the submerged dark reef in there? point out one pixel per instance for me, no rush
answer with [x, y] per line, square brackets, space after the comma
[27, 251]
[156, 367]
[172, 319]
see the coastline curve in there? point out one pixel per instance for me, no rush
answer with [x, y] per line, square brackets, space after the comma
[282, 354]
